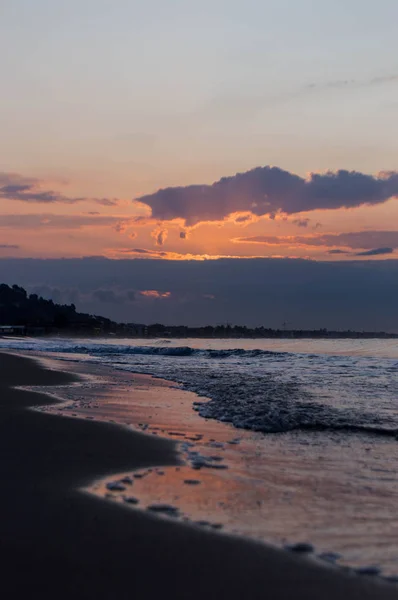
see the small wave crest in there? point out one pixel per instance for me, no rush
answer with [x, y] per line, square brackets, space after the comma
[274, 406]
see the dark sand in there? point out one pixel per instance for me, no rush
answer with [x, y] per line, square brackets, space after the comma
[57, 542]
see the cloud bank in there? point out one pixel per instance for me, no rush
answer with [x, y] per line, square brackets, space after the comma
[44, 220]
[368, 240]
[358, 294]
[28, 189]
[269, 190]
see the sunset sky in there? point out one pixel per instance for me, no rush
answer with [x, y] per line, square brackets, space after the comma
[105, 103]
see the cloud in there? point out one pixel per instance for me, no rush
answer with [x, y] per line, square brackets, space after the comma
[353, 83]
[268, 191]
[238, 104]
[45, 220]
[122, 226]
[367, 240]
[110, 296]
[107, 296]
[376, 252]
[154, 294]
[143, 251]
[183, 235]
[172, 256]
[243, 218]
[28, 189]
[338, 251]
[68, 295]
[9, 247]
[301, 222]
[160, 236]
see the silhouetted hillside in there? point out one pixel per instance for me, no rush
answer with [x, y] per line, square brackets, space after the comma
[17, 308]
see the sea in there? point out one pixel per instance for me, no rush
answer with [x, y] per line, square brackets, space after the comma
[306, 433]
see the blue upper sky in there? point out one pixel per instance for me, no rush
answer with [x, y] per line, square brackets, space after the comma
[227, 84]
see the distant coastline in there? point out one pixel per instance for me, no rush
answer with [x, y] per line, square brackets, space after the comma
[133, 331]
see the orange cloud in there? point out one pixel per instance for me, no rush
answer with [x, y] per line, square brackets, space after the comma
[154, 294]
[160, 236]
[148, 253]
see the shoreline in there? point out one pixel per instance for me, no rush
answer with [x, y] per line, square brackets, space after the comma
[72, 543]
[252, 486]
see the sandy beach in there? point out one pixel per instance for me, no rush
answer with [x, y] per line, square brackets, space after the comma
[58, 542]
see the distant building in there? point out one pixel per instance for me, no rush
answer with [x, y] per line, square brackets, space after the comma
[12, 330]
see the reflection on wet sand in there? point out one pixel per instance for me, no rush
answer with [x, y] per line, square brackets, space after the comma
[285, 489]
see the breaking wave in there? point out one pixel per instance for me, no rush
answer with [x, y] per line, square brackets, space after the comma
[68, 346]
[183, 351]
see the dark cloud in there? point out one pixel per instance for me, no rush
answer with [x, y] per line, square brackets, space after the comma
[243, 218]
[367, 240]
[106, 296]
[183, 235]
[9, 247]
[356, 294]
[144, 251]
[269, 190]
[25, 189]
[301, 222]
[376, 252]
[44, 220]
[338, 251]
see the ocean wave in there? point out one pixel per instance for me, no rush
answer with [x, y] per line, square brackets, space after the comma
[258, 389]
[172, 351]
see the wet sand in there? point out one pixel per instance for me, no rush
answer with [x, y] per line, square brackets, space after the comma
[58, 542]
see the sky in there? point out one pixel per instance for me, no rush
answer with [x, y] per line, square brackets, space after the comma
[199, 130]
